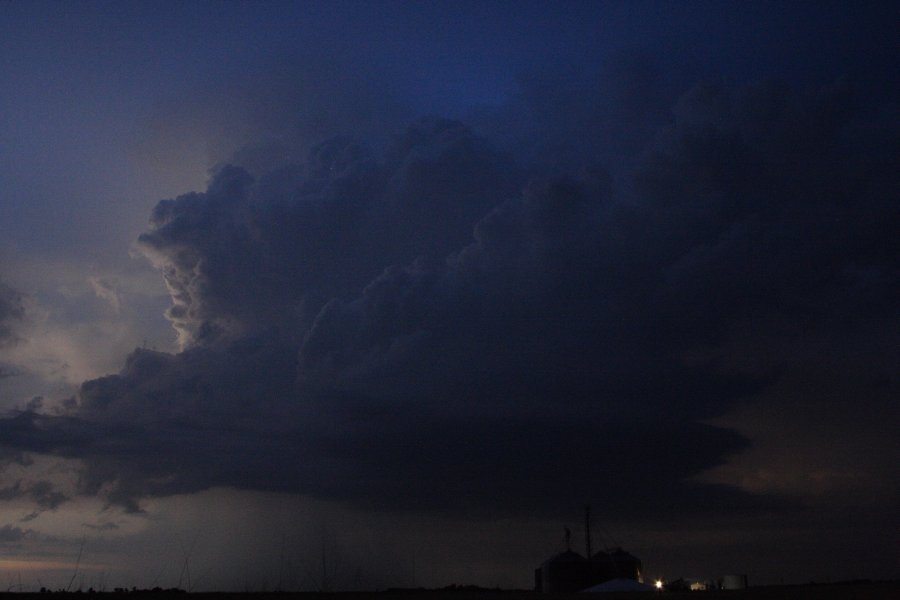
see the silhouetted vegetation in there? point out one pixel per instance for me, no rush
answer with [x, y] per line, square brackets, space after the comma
[845, 590]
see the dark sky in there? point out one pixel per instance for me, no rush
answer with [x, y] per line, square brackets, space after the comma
[406, 285]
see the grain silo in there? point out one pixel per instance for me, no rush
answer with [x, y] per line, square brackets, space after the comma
[570, 572]
[567, 572]
[615, 564]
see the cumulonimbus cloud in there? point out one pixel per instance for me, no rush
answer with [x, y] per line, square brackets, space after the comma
[442, 325]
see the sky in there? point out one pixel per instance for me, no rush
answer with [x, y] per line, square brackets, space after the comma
[356, 295]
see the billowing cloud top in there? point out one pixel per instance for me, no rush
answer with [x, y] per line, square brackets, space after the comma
[252, 254]
[456, 323]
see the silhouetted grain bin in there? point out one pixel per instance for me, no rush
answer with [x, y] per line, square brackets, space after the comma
[566, 572]
[569, 572]
[615, 564]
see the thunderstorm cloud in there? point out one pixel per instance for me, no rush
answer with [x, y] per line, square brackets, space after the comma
[494, 312]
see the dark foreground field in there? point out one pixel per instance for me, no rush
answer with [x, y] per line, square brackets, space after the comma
[837, 591]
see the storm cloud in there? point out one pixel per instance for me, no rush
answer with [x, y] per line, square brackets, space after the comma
[452, 323]
[253, 253]
[11, 311]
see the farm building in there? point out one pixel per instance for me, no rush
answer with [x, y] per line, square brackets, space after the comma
[565, 572]
[571, 572]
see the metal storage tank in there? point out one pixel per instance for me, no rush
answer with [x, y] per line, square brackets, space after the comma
[567, 572]
[615, 564]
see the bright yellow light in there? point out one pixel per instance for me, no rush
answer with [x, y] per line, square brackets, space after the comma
[659, 584]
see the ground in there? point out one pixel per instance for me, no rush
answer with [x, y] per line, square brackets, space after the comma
[889, 590]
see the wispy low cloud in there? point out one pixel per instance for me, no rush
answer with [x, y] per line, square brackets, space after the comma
[445, 326]
[41, 493]
[9, 533]
[106, 290]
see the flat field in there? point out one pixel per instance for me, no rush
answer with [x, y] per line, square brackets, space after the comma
[889, 590]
